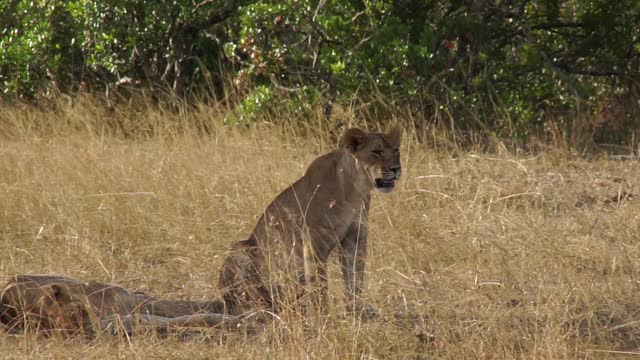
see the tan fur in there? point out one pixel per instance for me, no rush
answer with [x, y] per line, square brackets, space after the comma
[325, 209]
[55, 304]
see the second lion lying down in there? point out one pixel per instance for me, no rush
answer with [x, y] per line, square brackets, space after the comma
[55, 304]
[281, 261]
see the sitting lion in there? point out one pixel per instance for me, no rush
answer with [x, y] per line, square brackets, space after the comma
[55, 304]
[325, 209]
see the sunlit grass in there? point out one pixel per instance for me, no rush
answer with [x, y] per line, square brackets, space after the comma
[475, 255]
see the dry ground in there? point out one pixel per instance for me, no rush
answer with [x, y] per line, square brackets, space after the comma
[473, 256]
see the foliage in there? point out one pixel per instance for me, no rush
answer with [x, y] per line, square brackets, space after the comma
[508, 66]
[69, 44]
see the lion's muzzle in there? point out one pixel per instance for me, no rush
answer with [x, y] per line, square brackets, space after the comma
[387, 182]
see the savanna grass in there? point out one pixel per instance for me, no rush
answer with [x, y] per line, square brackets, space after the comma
[475, 255]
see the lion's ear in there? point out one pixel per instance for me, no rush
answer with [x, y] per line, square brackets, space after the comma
[60, 293]
[354, 139]
[395, 135]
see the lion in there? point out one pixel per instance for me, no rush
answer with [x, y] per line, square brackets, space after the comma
[327, 208]
[50, 304]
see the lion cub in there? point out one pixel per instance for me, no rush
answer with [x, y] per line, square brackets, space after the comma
[325, 209]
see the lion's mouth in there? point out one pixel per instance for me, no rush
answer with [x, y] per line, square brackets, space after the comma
[385, 185]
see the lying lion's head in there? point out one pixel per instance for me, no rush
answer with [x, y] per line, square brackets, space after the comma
[378, 153]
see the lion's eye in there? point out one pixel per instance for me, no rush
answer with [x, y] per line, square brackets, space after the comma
[377, 152]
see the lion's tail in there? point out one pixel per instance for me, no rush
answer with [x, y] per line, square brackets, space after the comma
[216, 306]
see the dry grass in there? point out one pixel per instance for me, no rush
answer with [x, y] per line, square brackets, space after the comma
[474, 255]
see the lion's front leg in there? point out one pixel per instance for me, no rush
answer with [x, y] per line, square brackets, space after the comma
[353, 258]
[315, 279]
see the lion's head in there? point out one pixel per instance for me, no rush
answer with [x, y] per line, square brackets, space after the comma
[379, 155]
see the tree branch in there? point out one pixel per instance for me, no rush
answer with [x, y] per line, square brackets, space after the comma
[556, 25]
[572, 70]
[323, 36]
[219, 16]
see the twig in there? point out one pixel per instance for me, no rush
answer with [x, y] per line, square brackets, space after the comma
[613, 352]
[122, 193]
[511, 196]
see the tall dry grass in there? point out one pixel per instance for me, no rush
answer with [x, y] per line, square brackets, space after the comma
[473, 256]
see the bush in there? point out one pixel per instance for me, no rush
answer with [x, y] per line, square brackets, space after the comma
[513, 68]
